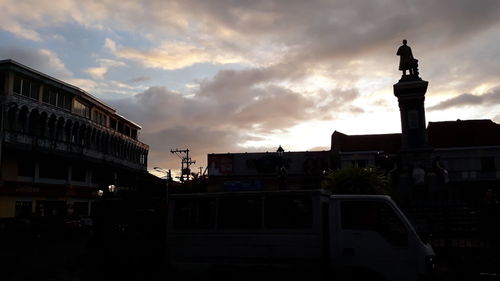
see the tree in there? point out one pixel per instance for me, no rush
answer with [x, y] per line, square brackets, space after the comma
[354, 180]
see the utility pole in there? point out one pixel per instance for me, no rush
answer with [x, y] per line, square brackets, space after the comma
[186, 161]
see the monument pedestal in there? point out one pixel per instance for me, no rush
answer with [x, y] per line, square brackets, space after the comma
[415, 152]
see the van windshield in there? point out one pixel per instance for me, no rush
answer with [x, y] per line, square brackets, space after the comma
[374, 216]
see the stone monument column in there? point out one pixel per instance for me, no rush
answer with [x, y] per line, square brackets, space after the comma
[411, 97]
[415, 152]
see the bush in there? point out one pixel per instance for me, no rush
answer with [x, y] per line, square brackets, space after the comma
[356, 180]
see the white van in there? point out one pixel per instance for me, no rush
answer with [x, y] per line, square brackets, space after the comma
[347, 236]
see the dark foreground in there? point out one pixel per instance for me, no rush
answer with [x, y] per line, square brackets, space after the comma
[79, 258]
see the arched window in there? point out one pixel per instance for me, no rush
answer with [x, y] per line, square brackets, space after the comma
[52, 127]
[23, 119]
[12, 119]
[34, 123]
[44, 129]
[67, 131]
[59, 136]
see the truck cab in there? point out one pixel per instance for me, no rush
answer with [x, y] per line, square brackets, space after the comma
[347, 236]
[372, 237]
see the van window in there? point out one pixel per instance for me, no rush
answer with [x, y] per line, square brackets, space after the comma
[374, 216]
[240, 213]
[194, 213]
[288, 212]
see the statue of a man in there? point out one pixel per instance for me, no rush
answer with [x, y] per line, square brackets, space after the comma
[406, 59]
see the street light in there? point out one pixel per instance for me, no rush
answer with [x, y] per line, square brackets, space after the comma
[168, 177]
[112, 188]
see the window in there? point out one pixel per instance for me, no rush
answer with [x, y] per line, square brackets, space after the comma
[194, 213]
[112, 123]
[134, 134]
[51, 207]
[34, 91]
[120, 127]
[289, 212]
[67, 102]
[81, 109]
[46, 95]
[240, 213]
[374, 216]
[25, 87]
[99, 118]
[23, 208]
[60, 100]
[53, 97]
[17, 85]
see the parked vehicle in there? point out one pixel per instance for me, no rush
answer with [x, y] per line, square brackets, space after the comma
[348, 236]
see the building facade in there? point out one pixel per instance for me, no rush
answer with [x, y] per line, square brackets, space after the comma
[59, 145]
[266, 170]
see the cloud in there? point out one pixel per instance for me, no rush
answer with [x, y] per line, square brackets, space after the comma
[490, 99]
[247, 109]
[43, 60]
[173, 55]
[110, 44]
[102, 69]
[20, 31]
[97, 72]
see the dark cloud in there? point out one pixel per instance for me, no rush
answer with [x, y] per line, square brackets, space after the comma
[246, 107]
[492, 98]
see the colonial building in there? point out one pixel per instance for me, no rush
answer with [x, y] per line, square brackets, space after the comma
[59, 145]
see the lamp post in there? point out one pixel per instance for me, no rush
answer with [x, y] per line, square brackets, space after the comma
[168, 177]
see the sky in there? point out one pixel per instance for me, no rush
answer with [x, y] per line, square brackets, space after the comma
[242, 76]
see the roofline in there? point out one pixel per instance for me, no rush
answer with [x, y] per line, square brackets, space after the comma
[88, 95]
[388, 134]
[266, 152]
[361, 152]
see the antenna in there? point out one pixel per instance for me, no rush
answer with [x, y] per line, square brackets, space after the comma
[186, 161]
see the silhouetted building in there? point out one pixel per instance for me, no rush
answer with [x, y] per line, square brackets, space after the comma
[464, 153]
[59, 145]
[266, 170]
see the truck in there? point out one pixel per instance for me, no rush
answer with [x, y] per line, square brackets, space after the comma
[309, 233]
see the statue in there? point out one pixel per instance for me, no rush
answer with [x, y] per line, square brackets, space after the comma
[407, 62]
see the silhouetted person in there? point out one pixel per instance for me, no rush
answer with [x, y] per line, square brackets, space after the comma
[406, 59]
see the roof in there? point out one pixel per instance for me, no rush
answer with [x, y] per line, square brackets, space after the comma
[389, 143]
[444, 134]
[463, 133]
